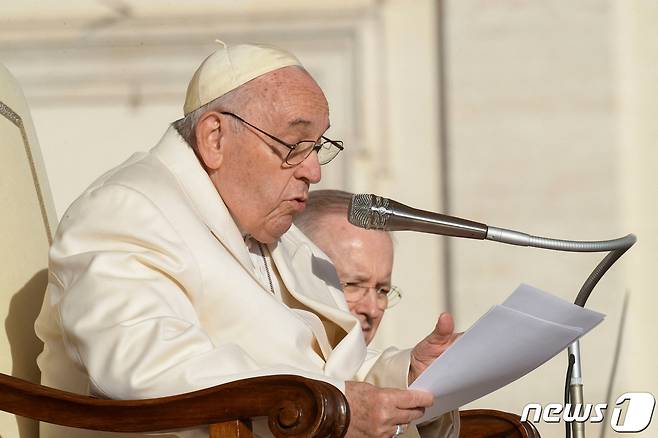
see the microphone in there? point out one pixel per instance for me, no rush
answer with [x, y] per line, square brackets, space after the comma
[373, 212]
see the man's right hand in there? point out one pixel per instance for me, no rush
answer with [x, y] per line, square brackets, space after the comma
[375, 412]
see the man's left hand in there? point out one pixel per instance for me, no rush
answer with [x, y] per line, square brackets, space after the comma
[433, 345]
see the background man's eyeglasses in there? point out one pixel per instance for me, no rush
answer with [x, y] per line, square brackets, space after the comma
[326, 148]
[387, 297]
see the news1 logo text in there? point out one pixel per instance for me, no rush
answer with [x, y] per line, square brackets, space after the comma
[632, 412]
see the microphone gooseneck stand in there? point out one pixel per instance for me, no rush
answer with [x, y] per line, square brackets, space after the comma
[374, 212]
[573, 393]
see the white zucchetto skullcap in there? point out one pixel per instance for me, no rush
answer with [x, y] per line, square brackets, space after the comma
[229, 67]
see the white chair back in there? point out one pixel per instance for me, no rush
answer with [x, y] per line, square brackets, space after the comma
[27, 221]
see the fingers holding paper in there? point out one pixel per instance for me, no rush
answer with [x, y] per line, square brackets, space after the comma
[424, 353]
[376, 412]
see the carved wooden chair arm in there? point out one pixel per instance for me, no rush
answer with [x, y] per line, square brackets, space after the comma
[295, 406]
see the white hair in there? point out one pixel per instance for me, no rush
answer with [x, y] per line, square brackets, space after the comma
[320, 205]
[230, 101]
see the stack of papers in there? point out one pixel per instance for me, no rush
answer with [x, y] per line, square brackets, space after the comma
[505, 344]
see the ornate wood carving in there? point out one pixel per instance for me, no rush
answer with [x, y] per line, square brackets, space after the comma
[295, 407]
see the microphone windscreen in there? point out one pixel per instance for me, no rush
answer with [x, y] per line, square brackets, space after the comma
[359, 210]
[368, 211]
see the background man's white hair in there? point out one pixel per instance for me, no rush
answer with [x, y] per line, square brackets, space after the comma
[320, 204]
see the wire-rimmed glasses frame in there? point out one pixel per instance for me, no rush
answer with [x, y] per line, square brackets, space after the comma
[326, 148]
[355, 292]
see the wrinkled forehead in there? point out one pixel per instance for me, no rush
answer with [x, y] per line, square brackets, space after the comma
[289, 92]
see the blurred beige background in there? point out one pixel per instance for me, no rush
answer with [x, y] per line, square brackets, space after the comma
[539, 116]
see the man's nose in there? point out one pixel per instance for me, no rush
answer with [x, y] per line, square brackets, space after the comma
[370, 303]
[309, 169]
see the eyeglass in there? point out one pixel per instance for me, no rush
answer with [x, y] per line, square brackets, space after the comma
[387, 297]
[326, 148]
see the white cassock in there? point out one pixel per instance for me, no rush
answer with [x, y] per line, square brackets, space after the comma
[152, 292]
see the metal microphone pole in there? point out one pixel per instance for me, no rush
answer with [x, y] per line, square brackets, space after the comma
[576, 395]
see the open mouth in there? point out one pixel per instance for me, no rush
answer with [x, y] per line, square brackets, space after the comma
[299, 202]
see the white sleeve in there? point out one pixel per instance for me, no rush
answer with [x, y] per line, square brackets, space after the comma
[386, 369]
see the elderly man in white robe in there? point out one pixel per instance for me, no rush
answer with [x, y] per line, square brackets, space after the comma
[364, 263]
[180, 270]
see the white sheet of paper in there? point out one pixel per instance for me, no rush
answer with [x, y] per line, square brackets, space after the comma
[543, 305]
[505, 344]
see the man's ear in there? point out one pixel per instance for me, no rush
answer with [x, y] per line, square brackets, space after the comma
[208, 140]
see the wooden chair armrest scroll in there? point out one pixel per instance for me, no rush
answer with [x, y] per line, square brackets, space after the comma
[295, 407]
